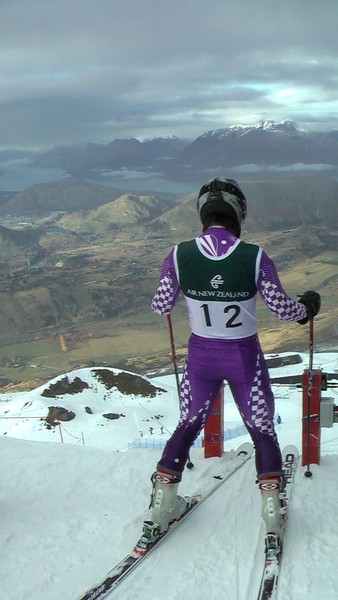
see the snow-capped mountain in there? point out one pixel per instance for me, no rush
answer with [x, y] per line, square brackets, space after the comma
[242, 148]
[264, 145]
[284, 127]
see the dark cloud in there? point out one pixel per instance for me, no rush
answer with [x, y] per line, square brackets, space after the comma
[84, 70]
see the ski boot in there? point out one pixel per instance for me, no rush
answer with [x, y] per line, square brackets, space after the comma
[166, 506]
[273, 504]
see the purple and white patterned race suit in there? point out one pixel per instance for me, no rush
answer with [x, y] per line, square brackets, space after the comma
[219, 276]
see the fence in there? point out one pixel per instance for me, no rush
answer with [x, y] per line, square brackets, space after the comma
[159, 443]
[57, 423]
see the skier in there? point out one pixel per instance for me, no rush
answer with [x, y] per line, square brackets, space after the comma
[219, 276]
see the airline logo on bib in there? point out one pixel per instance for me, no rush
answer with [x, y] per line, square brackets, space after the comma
[216, 281]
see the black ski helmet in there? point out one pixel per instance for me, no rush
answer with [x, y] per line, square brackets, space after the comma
[222, 196]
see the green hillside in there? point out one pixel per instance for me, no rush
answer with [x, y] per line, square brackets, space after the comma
[88, 299]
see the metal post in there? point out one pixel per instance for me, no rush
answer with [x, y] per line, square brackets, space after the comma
[311, 419]
[214, 428]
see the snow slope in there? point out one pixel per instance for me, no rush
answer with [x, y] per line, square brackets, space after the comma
[70, 511]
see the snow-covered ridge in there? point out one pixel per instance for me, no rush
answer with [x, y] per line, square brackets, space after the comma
[110, 408]
[286, 127]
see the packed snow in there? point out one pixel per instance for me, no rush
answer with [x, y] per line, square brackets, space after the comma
[74, 494]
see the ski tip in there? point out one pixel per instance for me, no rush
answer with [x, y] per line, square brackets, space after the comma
[290, 449]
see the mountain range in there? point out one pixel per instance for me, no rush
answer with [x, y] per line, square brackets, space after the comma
[79, 260]
[273, 204]
[266, 147]
[251, 149]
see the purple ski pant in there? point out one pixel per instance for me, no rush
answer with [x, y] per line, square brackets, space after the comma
[242, 365]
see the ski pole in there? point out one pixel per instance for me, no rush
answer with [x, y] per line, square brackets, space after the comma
[190, 464]
[308, 473]
[173, 353]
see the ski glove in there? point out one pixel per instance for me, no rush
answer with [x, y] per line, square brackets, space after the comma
[311, 301]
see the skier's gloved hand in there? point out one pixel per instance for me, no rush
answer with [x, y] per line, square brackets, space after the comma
[311, 301]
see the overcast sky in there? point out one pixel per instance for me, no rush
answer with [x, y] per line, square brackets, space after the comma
[73, 71]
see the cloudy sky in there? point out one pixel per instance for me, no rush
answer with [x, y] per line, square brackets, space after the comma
[73, 71]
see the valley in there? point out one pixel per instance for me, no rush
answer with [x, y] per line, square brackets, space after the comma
[75, 290]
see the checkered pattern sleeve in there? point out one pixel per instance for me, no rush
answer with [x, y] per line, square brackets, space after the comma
[273, 294]
[168, 288]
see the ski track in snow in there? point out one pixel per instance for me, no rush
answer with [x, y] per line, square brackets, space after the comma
[69, 513]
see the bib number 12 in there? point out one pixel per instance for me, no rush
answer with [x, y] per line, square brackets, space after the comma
[232, 311]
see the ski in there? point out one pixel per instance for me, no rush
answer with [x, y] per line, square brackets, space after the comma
[273, 543]
[146, 544]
